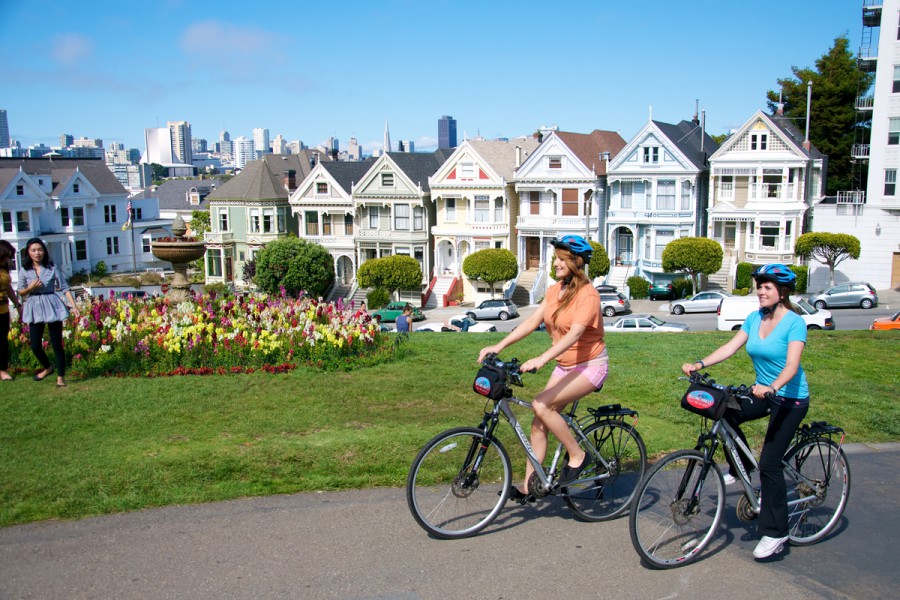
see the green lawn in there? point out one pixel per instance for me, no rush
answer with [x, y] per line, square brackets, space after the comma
[118, 444]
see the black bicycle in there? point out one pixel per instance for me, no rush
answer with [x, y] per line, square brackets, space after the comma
[460, 480]
[678, 506]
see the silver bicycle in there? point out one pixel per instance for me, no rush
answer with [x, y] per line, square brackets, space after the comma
[679, 505]
[460, 479]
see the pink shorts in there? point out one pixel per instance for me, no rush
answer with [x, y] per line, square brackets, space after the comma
[595, 370]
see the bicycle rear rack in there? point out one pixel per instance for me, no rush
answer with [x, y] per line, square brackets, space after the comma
[818, 429]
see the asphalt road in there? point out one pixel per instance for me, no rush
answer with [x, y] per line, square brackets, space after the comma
[365, 545]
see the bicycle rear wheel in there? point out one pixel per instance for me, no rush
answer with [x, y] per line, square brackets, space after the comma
[621, 445]
[447, 496]
[817, 498]
[670, 526]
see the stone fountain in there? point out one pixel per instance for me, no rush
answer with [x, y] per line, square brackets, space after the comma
[180, 252]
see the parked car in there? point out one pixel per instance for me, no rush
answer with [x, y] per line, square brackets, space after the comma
[614, 303]
[458, 323]
[733, 312]
[700, 302]
[886, 323]
[856, 293]
[501, 309]
[646, 323]
[606, 289]
[393, 310]
[665, 291]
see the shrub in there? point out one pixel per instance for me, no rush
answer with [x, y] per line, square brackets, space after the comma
[683, 287]
[295, 265]
[640, 287]
[740, 291]
[742, 278]
[99, 269]
[802, 273]
[219, 288]
[378, 298]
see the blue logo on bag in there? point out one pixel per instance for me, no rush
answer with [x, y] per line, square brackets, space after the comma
[482, 386]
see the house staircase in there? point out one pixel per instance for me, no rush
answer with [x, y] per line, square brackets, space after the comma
[721, 279]
[618, 276]
[338, 291]
[436, 299]
[525, 282]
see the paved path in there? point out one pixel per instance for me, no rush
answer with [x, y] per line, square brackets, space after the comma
[365, 545]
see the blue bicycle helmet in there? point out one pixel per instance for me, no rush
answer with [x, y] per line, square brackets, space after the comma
[575, 244]
[777, 274]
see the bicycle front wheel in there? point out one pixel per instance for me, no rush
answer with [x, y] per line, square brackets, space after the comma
[676, 512]
[818, 488]
[610, 494]
[458, 483]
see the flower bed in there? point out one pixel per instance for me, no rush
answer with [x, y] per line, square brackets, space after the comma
[212, 334]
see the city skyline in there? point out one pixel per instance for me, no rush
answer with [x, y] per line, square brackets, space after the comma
[102, 71]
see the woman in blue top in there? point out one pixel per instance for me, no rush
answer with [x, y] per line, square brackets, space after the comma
[775, 337]
[39, 280]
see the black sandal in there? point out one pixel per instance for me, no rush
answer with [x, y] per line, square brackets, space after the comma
[516, 495]
[46, 375]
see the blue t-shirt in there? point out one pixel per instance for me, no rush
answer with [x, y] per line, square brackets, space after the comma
[769, 355]
[402, 324]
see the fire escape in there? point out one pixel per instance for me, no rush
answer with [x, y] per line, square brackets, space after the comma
[867, 61]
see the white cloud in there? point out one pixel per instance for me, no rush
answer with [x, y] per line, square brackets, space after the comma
[69, 49]
[231, 43]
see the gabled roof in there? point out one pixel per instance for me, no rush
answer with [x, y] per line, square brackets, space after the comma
[782, 126]
[790, 130]
[264, 179]
[345, 174]
[61, 171]
[173, 194]
[501, 155]
[419, 166]
[588, 147]
[686, 136]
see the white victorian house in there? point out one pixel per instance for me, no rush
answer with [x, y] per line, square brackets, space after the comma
[561, 189]
[80, 210]
[658, 192]
[476, 207]
[394, 208]
[763, 180]
[323, 204]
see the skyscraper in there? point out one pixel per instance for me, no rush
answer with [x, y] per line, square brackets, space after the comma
[4, 129]
[446, 132]
[261, 141]
[180, 132]
[242, 151]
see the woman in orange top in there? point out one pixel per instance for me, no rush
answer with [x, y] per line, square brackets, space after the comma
[571, 313]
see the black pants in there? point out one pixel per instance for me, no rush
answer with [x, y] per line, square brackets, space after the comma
[783, 422]
[4, 341]
[56, 342]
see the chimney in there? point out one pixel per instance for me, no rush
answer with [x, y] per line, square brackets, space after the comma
[779, 108]
[518, 156]
[290, 180]
[696, 119]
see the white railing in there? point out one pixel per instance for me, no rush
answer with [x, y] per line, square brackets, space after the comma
[851, 197]
[860, 150]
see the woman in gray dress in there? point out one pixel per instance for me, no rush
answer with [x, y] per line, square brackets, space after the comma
[39, 280]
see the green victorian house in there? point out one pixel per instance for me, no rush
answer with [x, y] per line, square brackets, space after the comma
[251, 210]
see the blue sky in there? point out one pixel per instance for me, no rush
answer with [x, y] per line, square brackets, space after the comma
[311, 70]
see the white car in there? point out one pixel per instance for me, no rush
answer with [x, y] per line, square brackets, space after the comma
[701, 302]
[460, 322]
[734, 310]
[646, 323]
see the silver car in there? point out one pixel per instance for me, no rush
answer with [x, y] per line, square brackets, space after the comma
[614, 303]
[855, 293]
[702, 302]
[501, 309]
[646, 323]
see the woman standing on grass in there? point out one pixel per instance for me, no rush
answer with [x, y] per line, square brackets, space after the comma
[7, 293]
[39, 280]
[571, 313]
[775, 337]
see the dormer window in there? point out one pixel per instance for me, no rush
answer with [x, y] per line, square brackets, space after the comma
[651, 155]
[759, 141]
[554, 162]
[20, 189]
[322, 188]
[387, 180]
[76, 188]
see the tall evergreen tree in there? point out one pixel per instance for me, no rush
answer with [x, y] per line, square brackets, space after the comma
[836, 82]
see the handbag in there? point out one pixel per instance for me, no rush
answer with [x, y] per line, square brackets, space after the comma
[490, 381]
[705, 400]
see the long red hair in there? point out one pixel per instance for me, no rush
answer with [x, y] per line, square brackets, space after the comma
[577, 279]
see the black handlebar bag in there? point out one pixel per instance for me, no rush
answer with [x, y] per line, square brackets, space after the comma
[490, 382]
[705, 401]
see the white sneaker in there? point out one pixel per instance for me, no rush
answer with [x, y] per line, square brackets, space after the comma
[729, 479]
[768, 546]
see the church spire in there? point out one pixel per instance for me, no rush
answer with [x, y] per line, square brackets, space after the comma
[387, 137]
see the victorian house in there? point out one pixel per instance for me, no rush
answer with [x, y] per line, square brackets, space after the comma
[80, 210]
[477, 207]
[251, 210]
[763, 180]
[658, 192]
[561, 190]
[394, 210]
[323, 206]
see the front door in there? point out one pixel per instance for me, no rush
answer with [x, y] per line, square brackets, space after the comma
[533, 253]
[625, 248]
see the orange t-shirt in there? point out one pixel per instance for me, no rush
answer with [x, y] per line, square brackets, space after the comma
[584, 309]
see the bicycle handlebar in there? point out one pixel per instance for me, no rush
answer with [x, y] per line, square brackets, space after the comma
[742, 390]
[512, 367]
